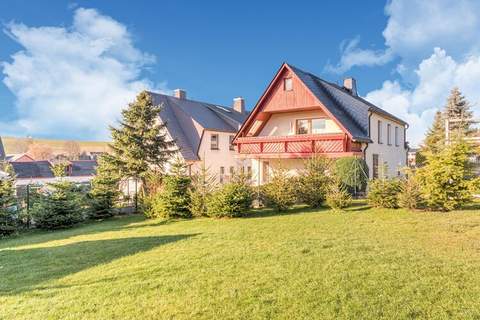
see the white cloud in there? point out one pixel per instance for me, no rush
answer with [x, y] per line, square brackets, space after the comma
[437, 75]
[73, 82]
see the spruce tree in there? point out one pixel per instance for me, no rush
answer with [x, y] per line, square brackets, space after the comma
[140, 143]
[458, 108]
[7, 203]
[105, 188]
[203, 184]
[435, 139]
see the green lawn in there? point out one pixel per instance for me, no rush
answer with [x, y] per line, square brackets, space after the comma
[362, 264]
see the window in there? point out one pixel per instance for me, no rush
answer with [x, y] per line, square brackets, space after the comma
[302, 126]
[249, 171]
[230, 141]
[318, 125]
[397, 141]
[308, 126]
[232, 171]
[389, 134]
[375, 166]
[287, 84]
[222, 173]
[214, 142]
[379, 131]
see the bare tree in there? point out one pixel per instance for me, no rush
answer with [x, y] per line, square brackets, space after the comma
[73, 150]
[40, 151]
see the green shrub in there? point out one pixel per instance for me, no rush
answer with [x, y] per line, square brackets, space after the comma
[353, 173]
[8, 223]
[447, 180]
[203, 185]
[62, 206]
[383, 193]
[280, 192]
[230, 200]
[313, 181]
[337, 196]
[410, 196]
[172, 201]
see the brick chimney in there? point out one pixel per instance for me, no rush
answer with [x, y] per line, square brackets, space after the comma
[239, 104]
[351, 85]
[180, 94]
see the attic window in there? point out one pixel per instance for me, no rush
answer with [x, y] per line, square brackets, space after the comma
[287, 84]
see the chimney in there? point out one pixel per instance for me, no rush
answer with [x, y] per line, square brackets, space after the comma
[351, 85]
[239, 104]
[180, 94]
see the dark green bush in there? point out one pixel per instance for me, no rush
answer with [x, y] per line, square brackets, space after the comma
[105, 189]
[383, 193]
[62, 206]
[230, 200]
[8, 223]
[280, 192]
[352, 172]
[172, 200]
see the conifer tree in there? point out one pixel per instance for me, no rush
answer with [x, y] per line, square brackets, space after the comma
[105, 188]
[203, 184]
[458, 107]
[435, 138]
[140, 143]
[7, 203]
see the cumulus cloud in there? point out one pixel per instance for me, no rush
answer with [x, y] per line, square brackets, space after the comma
[73, 81]
[437, 75]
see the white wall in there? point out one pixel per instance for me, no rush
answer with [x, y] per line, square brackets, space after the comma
[223, 157]
[292, 167]
[283, 124]
[393, 156]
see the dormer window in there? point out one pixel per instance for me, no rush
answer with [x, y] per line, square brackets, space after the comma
[287, 84]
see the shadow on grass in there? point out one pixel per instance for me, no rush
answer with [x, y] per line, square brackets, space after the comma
[23, 270]
[358, 205]
[268, 212]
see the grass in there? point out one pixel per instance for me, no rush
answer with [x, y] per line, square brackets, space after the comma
[14, 145]
[304, 264]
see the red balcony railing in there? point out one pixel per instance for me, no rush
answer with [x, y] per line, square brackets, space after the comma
[297, 146]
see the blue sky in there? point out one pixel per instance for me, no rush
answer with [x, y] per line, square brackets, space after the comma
[69, 67]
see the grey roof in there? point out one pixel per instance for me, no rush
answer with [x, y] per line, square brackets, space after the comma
[187, 119]
[83, 168]
[350, 110]
[2, 150]
[32, 169]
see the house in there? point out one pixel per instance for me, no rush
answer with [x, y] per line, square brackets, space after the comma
[204, 132]
[81, 168]
[300, 115]
[20, 157]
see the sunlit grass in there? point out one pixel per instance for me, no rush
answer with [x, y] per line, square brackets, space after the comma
[364, 263]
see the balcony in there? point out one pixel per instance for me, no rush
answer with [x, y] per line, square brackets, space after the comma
[297, 146]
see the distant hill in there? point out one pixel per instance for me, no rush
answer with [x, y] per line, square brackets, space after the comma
[14, 145]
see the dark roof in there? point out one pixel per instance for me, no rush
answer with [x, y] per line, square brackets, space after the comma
[32, 169]
[350, 110]
[83, 168]
[2, 150]
[187, 119]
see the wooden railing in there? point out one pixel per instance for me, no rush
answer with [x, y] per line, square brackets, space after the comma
[300, 145]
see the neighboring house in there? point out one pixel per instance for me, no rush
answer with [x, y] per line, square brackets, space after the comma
[81, 168]
[204, 132]
[300, 115]
[21, 157]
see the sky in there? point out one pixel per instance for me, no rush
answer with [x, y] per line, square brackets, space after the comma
[68, 68]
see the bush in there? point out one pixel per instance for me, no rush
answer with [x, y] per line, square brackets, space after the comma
[231, 200]
[447, 180]
[62, 206]
[338, 196]
[8, 223]
[172, 201]
[383, 193]
[410, 196]
[280, 192]
[203, 185]
[352, 172]
[314, 180]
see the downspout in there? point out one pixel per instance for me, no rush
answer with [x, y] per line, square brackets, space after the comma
[365, 150]
[405, 143]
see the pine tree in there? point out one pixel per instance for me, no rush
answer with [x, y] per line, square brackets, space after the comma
[140, 143]
[435, 139]
[7, 203]
[458, 108]
[105, 188]
[203, 184]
